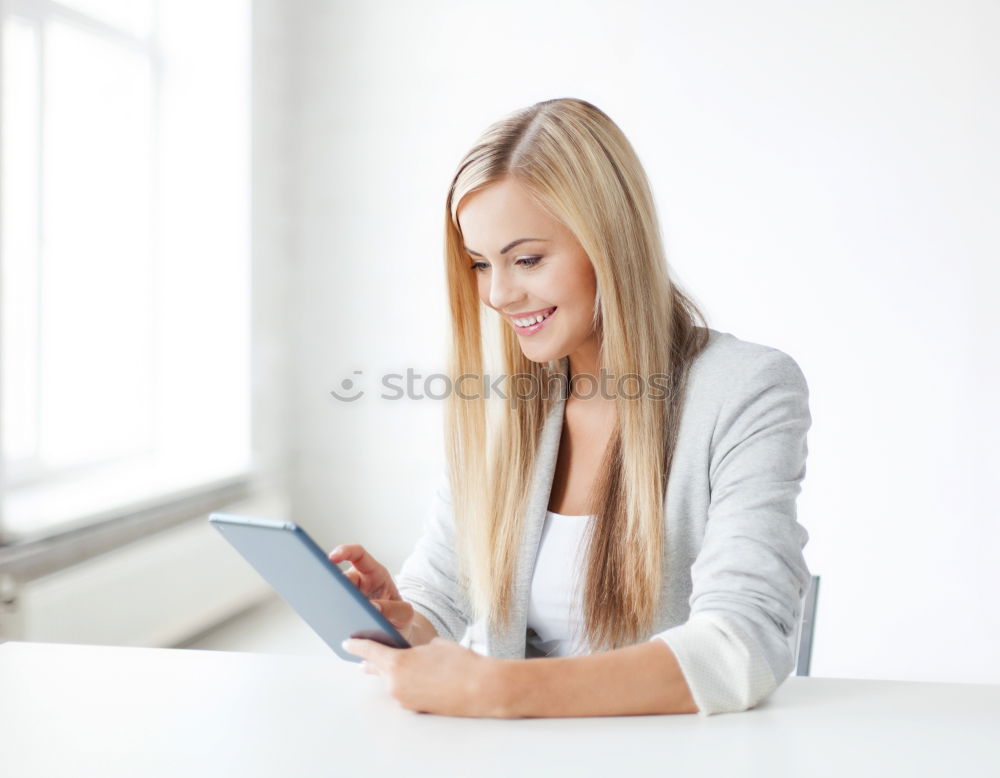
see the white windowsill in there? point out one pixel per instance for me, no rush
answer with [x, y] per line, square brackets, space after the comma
[44, 509]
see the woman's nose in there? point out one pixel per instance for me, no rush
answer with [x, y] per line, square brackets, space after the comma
[503, 290]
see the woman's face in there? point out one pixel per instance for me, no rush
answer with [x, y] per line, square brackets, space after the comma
[528, 264]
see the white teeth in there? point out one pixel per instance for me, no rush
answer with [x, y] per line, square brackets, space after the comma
[531, 320]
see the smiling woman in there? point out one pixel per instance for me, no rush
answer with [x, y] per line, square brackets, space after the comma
[547, 277]
[645, 541]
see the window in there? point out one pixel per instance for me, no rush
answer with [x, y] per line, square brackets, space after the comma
[125, 255]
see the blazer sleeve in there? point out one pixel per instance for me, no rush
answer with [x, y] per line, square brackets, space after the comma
[428, 578]
[750, 576]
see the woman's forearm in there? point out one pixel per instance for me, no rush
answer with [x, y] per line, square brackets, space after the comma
[639, 679]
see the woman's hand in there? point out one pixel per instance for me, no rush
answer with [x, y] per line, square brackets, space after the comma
[437, 677]
[377, 585]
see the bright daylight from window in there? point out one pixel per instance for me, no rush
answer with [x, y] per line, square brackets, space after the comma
[124, 337]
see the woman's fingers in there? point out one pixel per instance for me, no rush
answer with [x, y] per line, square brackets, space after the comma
[368, 575]
[398, 612]
[352, 573]
[357, 556]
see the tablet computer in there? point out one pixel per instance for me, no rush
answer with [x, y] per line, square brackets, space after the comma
[298, 570]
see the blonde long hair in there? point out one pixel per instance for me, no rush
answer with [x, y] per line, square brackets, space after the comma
[578, 165]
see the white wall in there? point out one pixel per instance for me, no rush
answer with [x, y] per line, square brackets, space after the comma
[827, 180]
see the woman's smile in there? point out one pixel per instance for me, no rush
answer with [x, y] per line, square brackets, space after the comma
[529, 325]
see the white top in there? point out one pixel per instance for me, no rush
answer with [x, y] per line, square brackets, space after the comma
[555, 604]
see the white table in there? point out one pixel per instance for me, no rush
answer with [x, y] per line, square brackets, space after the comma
[76, 710]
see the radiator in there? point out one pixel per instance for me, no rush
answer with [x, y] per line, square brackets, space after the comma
[158, 591]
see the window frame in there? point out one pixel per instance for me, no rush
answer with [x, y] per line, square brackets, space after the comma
[58, 545]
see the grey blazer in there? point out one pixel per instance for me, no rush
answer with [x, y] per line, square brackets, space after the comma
[734, 575]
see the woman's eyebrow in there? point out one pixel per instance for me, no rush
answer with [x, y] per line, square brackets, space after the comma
[506, 248]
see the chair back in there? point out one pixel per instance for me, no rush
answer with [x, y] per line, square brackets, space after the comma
[804, 635]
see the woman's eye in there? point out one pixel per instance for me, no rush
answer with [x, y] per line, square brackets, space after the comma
[525, 261]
